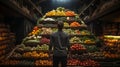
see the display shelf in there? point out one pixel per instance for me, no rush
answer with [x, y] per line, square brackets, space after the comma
[80, 27]
[29, 58]
[107, 64]
[31, 44]
[78, 52]
[71, 35]
[15, 63]
[23, 51]
[55, 22]
[58, 16]
[74, 66]
[47, 26]
[89, 44]
[79, 35]
[44, 66]
[47, 22]
[55, 26]
[44, 34]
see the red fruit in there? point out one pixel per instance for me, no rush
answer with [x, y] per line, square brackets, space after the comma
[36, 28]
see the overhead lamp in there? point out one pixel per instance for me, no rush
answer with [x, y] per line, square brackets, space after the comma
[61, 1]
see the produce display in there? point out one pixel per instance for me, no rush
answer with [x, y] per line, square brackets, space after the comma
[36, 45]
[7, 40]
[112, 46]
[89, 62]
[84, 39]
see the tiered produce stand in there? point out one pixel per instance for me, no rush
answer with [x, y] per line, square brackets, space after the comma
[34, 50]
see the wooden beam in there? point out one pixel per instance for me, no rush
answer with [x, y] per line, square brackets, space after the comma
[86, 7]
[35, 7]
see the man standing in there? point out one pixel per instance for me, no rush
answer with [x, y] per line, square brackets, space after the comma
[60, 43]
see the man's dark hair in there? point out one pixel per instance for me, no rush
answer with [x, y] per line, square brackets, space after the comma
[60, 25]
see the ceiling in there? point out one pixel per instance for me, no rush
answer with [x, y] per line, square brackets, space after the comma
[47, 5]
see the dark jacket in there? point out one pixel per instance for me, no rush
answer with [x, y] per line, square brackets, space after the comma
[60, 43]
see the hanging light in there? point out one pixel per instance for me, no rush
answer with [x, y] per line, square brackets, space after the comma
[61, 1]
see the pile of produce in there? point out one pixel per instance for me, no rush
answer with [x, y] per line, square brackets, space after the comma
[70, 13]
[92, 48]
[71, 31]
[31, 40]
[35, 54]
[38, 47]
[77, 47]
[61, 19]
[72, 62]
[75, 40]
[88, 40]
[66, 24]
[90, 63]
[35, 31]
[94, 55]
[49, 19]
[111, 55]
[46, 31]
[60, 11]
[84, 32]
[44, 40]
[75, 24]
[75, 62]
[43, 62]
